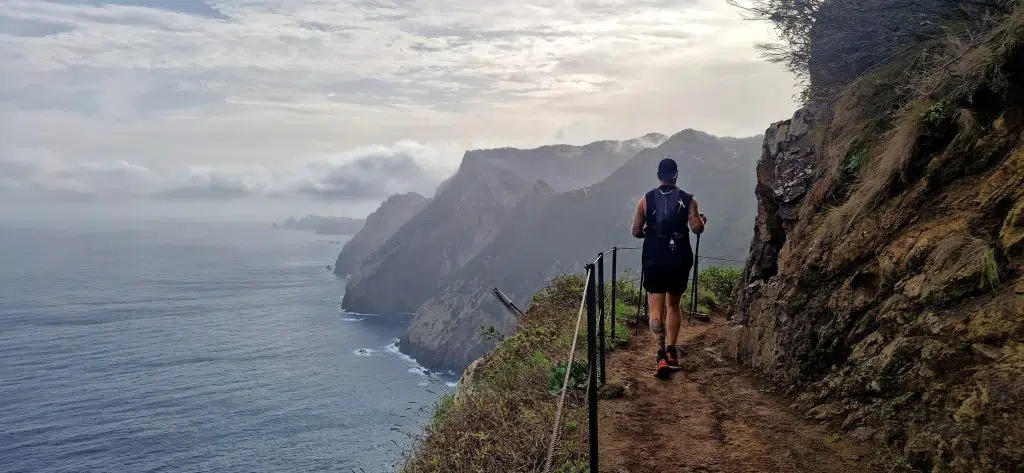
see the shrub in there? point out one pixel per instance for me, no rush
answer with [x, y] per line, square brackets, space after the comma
[720, 281]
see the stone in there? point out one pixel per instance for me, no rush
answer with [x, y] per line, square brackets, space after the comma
[611, 391]
[466, 382]
[863, 433]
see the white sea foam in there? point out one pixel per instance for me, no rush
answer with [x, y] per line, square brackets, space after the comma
[364, 351]
[414, 366]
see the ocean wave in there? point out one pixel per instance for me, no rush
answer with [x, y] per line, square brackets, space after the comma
[413, 366]
[349, 316]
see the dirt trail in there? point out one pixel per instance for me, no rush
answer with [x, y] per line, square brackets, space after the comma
[709, 417]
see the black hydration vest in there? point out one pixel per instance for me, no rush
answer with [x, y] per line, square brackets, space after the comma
[666, 233]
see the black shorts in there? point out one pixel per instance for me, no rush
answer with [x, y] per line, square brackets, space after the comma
[660, 280]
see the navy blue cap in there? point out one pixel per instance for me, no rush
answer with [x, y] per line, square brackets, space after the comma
[667, 169]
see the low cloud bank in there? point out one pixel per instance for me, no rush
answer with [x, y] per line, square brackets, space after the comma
[365, 173]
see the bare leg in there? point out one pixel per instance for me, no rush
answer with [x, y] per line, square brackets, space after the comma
[673, 319]
[657, 317]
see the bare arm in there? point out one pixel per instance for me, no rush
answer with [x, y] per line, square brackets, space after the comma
[639, 217]
[696, 221]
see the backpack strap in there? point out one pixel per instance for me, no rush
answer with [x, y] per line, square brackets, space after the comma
[666, 208]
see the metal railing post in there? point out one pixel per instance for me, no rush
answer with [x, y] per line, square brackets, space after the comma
[592, 361]
[600, 305]
[615, 312]
[647, 301]
[639, 298]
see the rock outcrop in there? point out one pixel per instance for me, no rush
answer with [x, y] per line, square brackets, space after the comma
[899, 316]
[468, 211]
[323, 225]
[553, 233]
[380, 225]
[785, 174]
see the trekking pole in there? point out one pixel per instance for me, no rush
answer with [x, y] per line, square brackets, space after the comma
[693, 290]
[696, 257]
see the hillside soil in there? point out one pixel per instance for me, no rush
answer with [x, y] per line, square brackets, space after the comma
[710, 416]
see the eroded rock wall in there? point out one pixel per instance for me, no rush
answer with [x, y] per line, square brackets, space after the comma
[906, 324]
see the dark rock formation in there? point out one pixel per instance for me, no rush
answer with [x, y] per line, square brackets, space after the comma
[380, 225]
[785, 173]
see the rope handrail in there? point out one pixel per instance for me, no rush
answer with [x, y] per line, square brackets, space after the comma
[565, 382]
[723, 259]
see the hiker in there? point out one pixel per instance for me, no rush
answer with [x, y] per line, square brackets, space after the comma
[661, 220]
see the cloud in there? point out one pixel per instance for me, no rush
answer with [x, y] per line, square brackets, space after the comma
[176, 85]
[365, 173]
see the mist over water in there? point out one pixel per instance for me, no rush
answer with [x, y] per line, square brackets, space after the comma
[147, 213]
[190, 347]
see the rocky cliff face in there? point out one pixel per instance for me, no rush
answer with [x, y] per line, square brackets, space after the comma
[553, 233]
[454, 227]
[469, 210]
[380, 225]
[900, 316]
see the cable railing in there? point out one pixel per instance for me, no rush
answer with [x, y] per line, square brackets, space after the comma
[556, 429]
[592, 301]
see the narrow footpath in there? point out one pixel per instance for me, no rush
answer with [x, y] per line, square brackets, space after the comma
[710, 416]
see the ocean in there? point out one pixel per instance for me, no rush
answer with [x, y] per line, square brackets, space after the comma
[195, 347]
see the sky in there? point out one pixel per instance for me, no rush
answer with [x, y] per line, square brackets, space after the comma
[345, 102]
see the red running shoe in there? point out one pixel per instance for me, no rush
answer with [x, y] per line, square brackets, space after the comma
[663, 369]
[670, 357]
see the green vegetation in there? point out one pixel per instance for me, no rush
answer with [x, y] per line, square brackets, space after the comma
[577, 376]
[501, 417]
[720, 280]
[854, 160]
[490, 332]
[933, 114]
